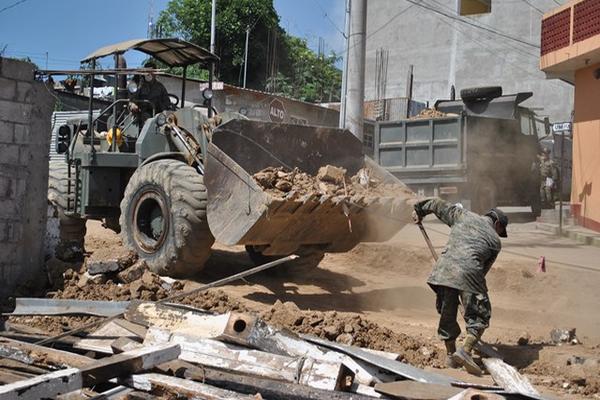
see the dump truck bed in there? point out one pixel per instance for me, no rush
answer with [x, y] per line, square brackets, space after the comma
[241, 212]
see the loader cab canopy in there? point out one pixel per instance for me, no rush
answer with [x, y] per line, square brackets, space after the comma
[173, 52]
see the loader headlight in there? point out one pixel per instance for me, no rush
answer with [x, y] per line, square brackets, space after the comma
[207, 94]
[161, 119]
[132, 87]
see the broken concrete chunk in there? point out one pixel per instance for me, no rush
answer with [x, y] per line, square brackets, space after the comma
[133, 273]
[284, 186]
[331, 174]
[95, 267]
[87, 279]
[564, 335]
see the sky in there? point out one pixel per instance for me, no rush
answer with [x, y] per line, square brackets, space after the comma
[68, 30]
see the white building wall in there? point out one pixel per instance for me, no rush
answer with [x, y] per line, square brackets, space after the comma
[445, 51]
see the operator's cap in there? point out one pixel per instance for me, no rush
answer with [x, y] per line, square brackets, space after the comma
[498, 215]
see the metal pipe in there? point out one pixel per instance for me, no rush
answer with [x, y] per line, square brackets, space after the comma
[213, 23]
[560, 183]
[90, 130]
[342, 122]
[246, 55]
[113, 146]
[356, 69]
[183, 86]
[211, 71]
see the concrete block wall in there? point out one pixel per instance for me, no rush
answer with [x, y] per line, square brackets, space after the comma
[25, 110]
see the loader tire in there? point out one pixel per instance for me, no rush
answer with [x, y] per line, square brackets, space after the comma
[482, 92]
[71, 228]
[163, 218]
[310, 257]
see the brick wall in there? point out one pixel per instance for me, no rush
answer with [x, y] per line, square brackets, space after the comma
[25, 111]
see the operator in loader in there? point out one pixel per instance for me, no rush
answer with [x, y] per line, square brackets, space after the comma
[152, 90]
[458, 276]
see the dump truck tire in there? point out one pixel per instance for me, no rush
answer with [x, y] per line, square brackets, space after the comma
[483, 92]
[310, 257]
[71, 229]
[163, 218]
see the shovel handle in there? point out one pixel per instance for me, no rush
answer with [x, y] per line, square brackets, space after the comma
[428, 241]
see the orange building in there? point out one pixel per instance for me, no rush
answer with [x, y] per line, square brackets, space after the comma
[570, 50]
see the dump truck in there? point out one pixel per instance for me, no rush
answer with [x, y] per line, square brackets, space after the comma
[180, 179]
[478, 150]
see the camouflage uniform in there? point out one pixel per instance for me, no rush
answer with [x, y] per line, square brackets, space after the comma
[156, 93]
[460, 271]
[547, 170]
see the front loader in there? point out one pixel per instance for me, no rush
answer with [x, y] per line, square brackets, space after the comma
[177, 181]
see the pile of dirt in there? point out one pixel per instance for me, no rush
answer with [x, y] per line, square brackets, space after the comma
[330, 180]
[582, 379]
[429, 113]
[349, 328]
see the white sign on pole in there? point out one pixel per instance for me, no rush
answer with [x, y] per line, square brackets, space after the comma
[216, 85]
[561, 127]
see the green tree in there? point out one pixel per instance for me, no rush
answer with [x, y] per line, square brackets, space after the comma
[190, 20]
[277, 62]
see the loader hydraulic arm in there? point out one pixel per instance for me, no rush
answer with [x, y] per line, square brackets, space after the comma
[185, 142]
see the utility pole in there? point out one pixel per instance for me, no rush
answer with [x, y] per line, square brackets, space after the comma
[246, 55]
[356, 68]
[213, 23]
[342, 123]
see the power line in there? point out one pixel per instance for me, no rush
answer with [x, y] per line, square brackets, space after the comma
[468, 22]
[513, 46]
[12, 5]
[329, 19]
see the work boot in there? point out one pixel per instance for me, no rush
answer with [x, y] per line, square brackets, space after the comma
[450, 350]
[463, 357]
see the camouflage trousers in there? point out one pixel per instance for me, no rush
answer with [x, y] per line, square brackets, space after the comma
[477, 312]
[546, 196]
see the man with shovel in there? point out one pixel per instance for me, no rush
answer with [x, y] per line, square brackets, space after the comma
[458, 276]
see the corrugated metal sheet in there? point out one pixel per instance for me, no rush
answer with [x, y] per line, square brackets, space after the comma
[59, 118]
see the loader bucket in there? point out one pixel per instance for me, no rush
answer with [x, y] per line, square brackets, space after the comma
[240, 212]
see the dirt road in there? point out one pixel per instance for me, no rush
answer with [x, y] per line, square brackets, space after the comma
[386, 284]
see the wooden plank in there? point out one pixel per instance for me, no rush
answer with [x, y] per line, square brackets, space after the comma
[41, 356]
[410, 390]
[127, 363]
[168, 385]
[268, 388]
[212, 353]
[102, 338]
[247, 330]
[44, 386]
[124, 344]
[176, 319]
[509, 378]
[401, 369]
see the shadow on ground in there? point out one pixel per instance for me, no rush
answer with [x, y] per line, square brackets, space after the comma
[280, 280]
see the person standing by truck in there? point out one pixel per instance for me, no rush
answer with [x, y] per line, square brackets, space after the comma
[458, 276]
[548, 178]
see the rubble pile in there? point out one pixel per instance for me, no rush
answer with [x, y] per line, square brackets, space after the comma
[429, 113]
[352, 329]
[330, 180]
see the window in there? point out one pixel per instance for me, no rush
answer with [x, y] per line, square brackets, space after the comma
[470, 7]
